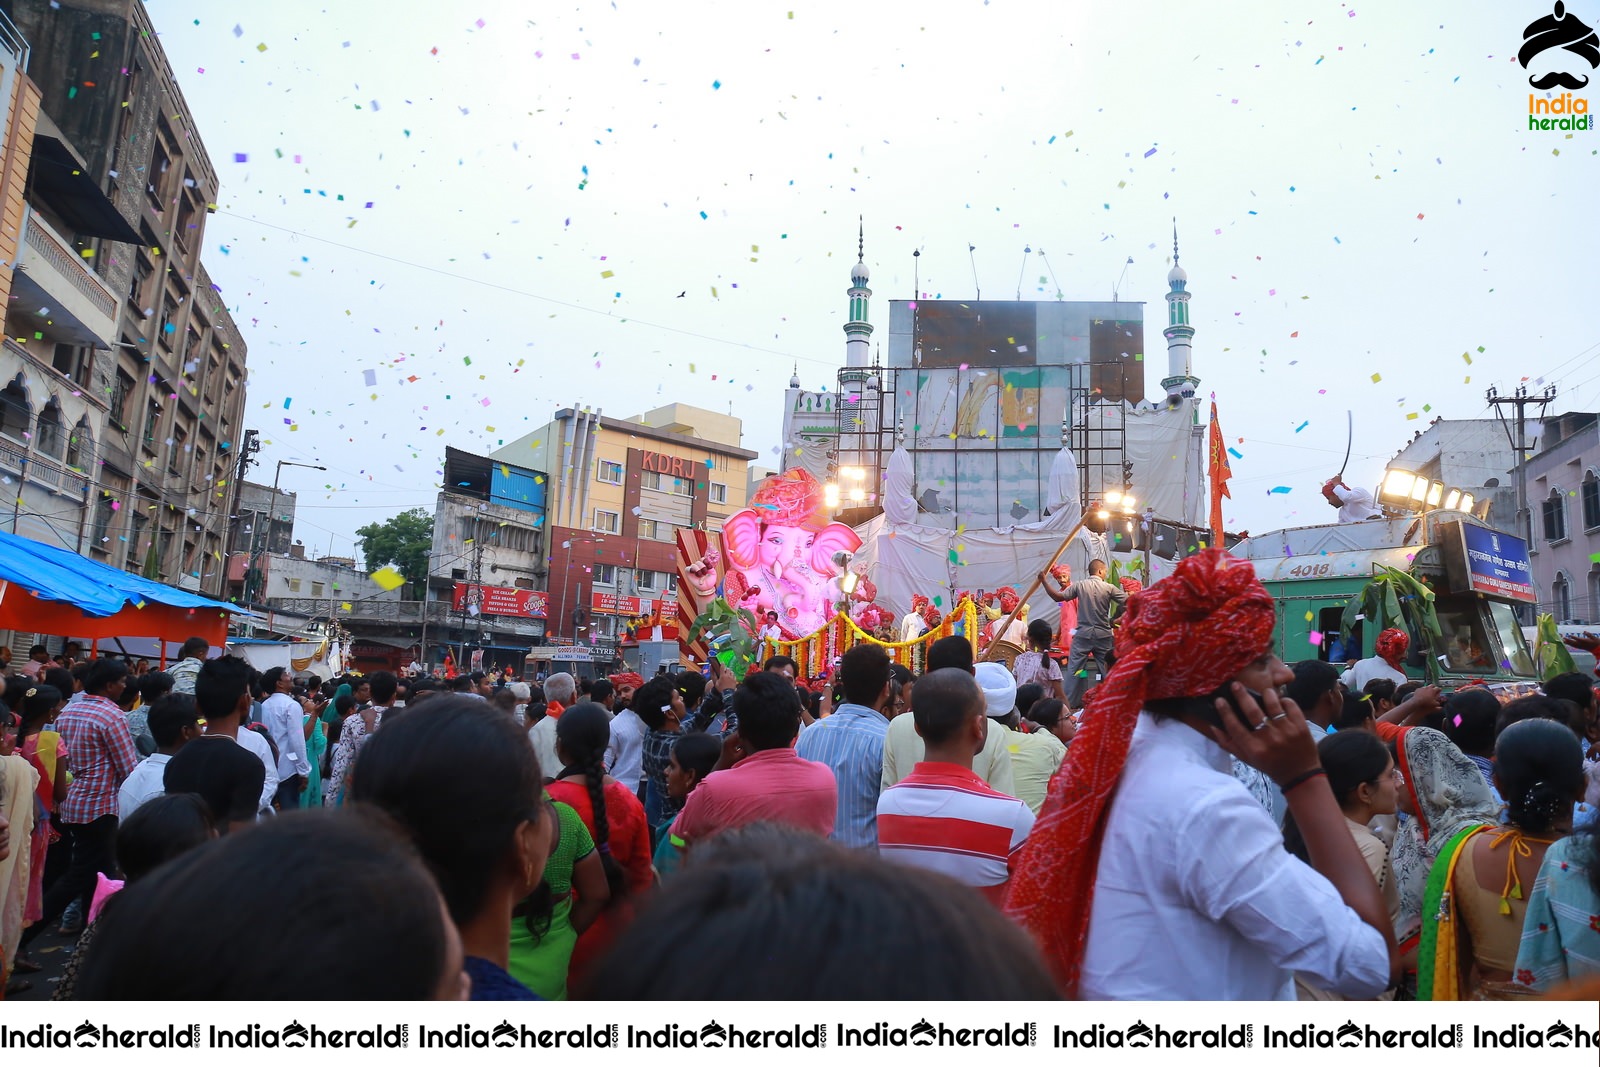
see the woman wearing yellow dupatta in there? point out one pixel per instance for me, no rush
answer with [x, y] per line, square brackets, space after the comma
[1475, 904]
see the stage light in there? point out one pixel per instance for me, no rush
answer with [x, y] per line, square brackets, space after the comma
[1396, 487]
[1452, 500]
[1435, 493]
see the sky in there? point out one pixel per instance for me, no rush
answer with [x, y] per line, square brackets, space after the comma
[440, 228]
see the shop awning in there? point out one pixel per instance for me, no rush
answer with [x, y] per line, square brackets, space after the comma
[75, 196]
[47, 589]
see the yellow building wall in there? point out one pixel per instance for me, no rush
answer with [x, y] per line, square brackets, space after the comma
[22, 118]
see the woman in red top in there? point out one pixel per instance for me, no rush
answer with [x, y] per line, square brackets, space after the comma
[615, 820]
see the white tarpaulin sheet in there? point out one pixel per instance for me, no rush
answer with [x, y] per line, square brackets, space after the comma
[904, 558]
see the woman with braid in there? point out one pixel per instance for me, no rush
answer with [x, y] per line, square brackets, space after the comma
[614, 818]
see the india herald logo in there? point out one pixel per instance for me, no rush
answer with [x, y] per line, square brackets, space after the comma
[1562, 31]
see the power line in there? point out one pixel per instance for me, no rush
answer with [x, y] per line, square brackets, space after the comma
[531, 296]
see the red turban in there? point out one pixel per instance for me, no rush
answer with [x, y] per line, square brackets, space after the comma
[1392, 645]
[627, 678]
[1184, 636]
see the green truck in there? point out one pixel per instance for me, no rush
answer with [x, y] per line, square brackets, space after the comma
[1478, 576]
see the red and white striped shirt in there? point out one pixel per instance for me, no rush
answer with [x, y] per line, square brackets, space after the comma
[96, 733]
[943, 817]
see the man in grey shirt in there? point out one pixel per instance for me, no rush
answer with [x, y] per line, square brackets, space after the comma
[1095, 596]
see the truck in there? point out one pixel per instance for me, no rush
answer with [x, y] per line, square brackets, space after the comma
[1479, 577]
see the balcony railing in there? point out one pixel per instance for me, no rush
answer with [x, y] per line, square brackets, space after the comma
[54, 250]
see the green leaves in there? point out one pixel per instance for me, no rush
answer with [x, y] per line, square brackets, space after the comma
[403, 541]
[729, 632]
[1393, 598]
[1550, 655]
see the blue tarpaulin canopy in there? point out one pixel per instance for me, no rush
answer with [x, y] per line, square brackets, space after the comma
[46, 589]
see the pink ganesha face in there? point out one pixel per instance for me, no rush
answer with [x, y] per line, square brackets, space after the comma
[786, 547]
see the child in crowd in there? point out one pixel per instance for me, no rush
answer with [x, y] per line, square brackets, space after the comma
[693, 757]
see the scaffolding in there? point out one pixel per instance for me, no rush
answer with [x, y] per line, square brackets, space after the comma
[1098, 436]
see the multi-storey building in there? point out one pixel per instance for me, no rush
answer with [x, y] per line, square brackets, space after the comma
[121, 356]
[619, 492]
[1564, 499]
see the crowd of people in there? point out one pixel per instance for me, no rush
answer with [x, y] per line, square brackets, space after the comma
[1208, 823]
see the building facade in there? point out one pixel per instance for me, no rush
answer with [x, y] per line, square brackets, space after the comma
[1473, 455]
[619, 492]
[1564, 501]
[487, 568]
[120, 351]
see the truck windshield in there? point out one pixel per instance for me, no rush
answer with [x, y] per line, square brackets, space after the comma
[1517, 658]
[1463, 645]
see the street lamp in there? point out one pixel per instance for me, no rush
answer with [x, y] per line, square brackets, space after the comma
[253, 579]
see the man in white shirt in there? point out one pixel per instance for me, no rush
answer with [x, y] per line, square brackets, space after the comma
[771, 631]
[222, 689]
[560, 691]
[174, 721]
[284, 718]
[1152, 873]
[1391, 652]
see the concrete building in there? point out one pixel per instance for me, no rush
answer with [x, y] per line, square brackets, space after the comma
[1564, 498]
[487, 569]
[1474, 455]
[619, 492]
[117, 340]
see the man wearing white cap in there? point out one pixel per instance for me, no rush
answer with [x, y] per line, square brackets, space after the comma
[943, 817]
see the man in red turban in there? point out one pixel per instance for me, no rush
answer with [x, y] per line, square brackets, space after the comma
[1179, 888]
[1388, 663]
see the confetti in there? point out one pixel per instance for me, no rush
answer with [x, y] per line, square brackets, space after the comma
[387, 578]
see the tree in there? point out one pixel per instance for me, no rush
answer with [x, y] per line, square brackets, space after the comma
[403, 541]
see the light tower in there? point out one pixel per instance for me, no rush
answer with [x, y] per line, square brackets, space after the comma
[857, 468]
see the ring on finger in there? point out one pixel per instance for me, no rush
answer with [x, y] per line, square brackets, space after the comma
[1262, 725]
[1280, 715]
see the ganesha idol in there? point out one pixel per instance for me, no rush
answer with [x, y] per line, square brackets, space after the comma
[779, 553]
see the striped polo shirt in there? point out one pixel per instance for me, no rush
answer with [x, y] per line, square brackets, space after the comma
[942, 817]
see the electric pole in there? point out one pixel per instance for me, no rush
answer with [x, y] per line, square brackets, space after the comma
[1520, 399]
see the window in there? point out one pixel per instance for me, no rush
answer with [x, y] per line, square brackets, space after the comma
[654, 530]
[80, 446]
[318, 589]
[1555, 518]
[666, 483]
[1590, 494]
[293, 584]
[103, 512]
[152, 420]
[719, 493]
[608, 471]
[604, 574]
[646, 579]
[1561, 597]
[606, 521]
[136, 546]
[15, 411]
[119, 398]
[180, 438]
[74, 362]
[48, 434]
[1592, 612]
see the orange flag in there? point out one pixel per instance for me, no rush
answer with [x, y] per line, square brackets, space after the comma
[1220, 473]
